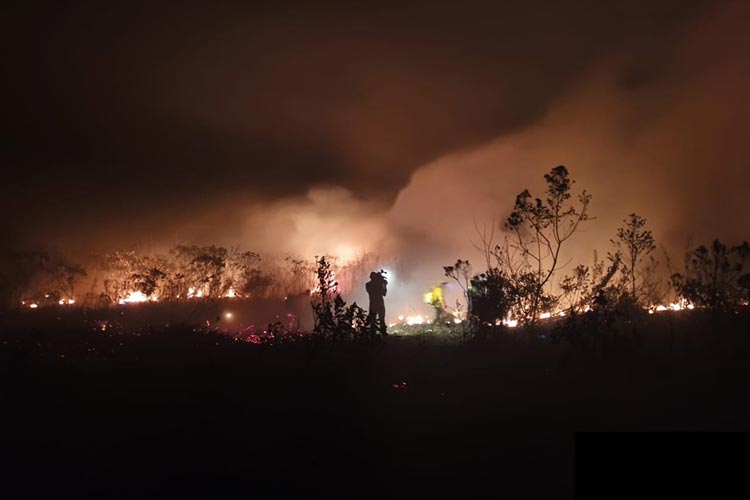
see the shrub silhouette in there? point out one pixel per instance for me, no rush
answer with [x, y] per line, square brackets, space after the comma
[490, 297]
[715, 277]
[333, 318]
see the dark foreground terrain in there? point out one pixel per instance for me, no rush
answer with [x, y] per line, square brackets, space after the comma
[182, 412]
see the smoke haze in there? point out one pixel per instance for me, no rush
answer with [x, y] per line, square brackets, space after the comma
[306, 132]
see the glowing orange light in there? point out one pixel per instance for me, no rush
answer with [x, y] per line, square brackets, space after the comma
[135, 297]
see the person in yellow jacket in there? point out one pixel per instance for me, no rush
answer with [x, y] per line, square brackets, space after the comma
[435, 298]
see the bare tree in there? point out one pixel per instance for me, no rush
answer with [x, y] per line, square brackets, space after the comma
[460, 272]
[486, 244]
[542, 227]
[119, 268]
[633, 243]
[203, 267]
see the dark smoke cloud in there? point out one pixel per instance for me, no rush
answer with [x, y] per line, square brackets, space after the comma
[131, 120]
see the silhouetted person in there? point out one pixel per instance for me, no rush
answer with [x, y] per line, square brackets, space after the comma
[376, 289]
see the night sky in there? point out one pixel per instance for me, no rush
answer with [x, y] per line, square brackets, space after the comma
[385, 127]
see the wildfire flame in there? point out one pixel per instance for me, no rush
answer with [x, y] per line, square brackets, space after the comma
[680, 305]
[413, 320]
[136, 297]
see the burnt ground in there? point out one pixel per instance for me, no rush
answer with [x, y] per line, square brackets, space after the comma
[175, 411]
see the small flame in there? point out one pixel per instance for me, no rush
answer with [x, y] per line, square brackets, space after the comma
[415, 320]
[680, 305]
[136, 297]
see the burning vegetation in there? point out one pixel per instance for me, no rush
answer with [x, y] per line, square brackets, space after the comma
[524, 278]
[183, 273]
[522, 281]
